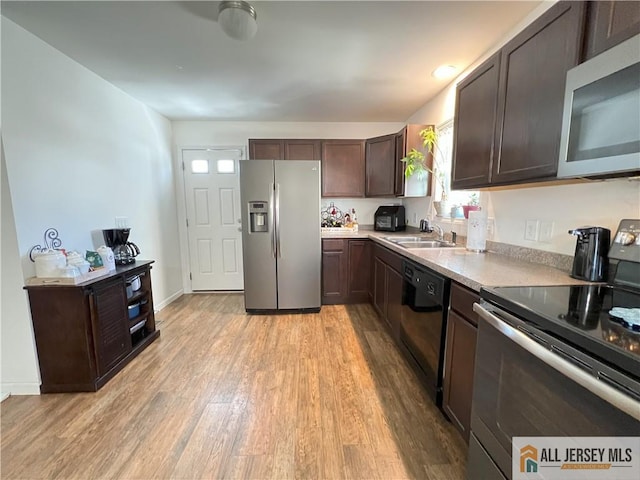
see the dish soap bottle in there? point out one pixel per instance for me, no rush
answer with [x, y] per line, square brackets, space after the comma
[354, 220]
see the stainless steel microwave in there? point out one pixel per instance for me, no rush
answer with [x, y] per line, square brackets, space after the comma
[601, 118]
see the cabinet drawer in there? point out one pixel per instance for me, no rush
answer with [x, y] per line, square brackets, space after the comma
[333, 245]
[390, 258]
[462, 300]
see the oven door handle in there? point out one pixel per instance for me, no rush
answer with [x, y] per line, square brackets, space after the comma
[582, 378]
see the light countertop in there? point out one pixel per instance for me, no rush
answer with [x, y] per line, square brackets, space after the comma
[473, 270]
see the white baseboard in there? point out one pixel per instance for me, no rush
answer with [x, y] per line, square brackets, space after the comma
[4, 396]
[172, 298]
[19, 389]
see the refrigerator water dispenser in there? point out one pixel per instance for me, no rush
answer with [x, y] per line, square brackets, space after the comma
[258, 217]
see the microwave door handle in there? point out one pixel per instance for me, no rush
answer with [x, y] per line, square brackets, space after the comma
[582, 378]
[272, 222]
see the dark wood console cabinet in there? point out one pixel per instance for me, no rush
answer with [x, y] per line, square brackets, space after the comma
[83, 332]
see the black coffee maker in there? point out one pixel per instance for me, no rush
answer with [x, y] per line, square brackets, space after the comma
[124, 252]
[590, 261]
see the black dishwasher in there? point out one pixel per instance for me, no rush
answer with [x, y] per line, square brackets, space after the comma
[423, 324]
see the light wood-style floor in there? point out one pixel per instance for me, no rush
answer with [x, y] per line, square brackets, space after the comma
[223, 394]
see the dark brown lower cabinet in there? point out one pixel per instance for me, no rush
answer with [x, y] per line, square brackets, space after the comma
[387, 286]
[359, 267]
[84, 334]
[394, 300]
[460, 350]
[379, 284]
[345, 271]
[335, 255]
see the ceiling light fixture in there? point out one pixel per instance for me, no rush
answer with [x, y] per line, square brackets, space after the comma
[238, 19]
[444, 71]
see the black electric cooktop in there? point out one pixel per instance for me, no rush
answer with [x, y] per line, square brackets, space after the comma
[579, 315]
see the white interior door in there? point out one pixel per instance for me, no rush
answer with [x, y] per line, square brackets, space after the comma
[212, 191]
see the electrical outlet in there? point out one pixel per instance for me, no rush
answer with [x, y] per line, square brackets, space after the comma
[545, 231]
[531, 230]
[415, 218]
[122, 222]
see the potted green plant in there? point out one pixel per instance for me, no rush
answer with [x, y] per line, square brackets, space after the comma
[473, 205]
[416, 164]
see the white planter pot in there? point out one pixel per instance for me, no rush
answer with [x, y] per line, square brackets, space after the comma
[443, 208]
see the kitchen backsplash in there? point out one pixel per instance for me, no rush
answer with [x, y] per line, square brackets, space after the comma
[365, 207]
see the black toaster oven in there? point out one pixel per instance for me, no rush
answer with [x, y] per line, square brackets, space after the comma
[389, 218]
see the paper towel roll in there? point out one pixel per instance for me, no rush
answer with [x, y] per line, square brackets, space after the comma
[477, 231]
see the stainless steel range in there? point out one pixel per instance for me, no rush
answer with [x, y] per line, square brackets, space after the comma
[557, 361]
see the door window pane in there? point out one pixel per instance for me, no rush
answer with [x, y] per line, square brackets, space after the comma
[199, 166]
[226, 166]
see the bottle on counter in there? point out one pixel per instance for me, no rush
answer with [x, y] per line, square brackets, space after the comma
[354, 220]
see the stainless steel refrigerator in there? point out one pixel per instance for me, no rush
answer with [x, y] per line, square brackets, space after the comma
[281, 242]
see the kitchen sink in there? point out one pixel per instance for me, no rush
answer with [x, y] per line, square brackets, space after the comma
[404, 239]
[419, 242]
[426, 244]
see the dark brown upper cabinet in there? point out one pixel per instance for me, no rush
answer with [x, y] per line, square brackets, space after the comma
[302, 150]
[533, 69]
[350, 168]
[400, 144]
[474, 126]
[384, 169]
[525, 139]
[407, 139]
[380, 157]
[266, 149]
[284, 149]
[610, 23]
[343, 168]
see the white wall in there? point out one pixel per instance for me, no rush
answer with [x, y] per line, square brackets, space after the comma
[568, 206]
[80, 152]
[203, 133]
[19, 371]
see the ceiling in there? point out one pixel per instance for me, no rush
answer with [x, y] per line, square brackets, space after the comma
[322, 61]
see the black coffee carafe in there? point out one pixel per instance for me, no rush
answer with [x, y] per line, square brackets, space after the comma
[590, 262]
[124, 252]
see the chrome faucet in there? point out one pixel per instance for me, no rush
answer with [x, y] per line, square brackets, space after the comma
[426, 226]
[438, 228]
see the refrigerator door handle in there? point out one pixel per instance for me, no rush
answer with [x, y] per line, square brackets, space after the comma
[272, 220]
[277, 229]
